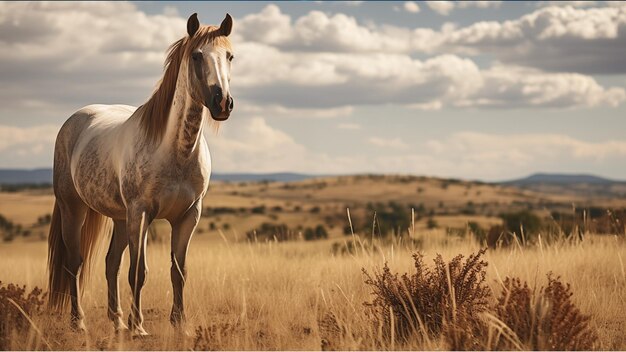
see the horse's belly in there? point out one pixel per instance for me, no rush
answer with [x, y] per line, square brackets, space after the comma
[102, 195]
[98, 185]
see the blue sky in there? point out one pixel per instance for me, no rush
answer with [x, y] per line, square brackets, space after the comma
[475, 90]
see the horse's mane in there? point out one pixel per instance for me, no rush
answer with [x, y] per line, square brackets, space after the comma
[155, 111]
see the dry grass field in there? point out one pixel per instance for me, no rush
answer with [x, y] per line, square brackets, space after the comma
[303, 295]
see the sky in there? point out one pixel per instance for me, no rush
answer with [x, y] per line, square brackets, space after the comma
[481, 90]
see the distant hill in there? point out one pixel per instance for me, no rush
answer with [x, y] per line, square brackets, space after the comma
[561, 179]
[579, 185]
[44, 176]
[22, 176]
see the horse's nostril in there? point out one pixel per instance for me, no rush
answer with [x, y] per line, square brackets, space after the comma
[231, 104]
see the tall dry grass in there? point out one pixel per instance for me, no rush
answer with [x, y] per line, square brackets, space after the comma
[302, 296]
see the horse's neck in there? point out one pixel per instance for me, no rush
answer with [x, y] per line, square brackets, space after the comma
[185, 122]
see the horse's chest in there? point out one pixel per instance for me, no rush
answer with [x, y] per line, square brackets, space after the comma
[175, 189]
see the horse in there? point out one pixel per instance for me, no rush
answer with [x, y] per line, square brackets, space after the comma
[133, 165]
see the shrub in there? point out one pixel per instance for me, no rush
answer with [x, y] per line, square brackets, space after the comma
[526, 220]
[258, 210]
[544, 321]
[315, 210]
[319, 232]
[12, 320]
[431, 224]
[446, 299]
[479, 233]
[496, 235]
[270, 232]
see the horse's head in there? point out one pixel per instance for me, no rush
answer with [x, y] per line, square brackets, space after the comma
[210, 57]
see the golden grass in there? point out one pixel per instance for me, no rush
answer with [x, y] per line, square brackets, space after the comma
[294, 295]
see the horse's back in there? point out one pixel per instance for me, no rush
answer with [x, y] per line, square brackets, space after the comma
[89, 120]
[84, 147]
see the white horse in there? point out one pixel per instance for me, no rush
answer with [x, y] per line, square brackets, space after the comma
[134, 165]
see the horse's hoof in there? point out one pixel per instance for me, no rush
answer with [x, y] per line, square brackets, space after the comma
[78, 325]
[120, 326]
[139, 332]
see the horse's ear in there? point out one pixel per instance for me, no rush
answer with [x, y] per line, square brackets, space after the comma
[226, 26]
[193, 24]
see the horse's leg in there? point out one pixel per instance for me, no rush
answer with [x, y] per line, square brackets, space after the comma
[181, 234]
[72, 218]
[137, 223]
[119, 241]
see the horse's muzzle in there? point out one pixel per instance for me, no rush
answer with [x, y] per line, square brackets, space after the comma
[220, 106]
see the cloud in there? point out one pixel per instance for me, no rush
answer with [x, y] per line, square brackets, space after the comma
[317, 31]
[349, 126]
[553, 38]
[65, 54]
[275, 110]
[27, 146]
[252, 145]
[507, 156]
[393, 143]
[567, 3]
[441, 7]
[593, 39]
[411, 6]
[313, 80]
[445, 7]
[316, 65]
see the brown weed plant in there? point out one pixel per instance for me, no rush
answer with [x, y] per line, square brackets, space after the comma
[450, 302]
[548, 320]
[445, 300]
[214, 337]
[12, 320]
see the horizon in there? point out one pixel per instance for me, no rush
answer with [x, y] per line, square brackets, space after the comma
[314, 175]
[446, 89]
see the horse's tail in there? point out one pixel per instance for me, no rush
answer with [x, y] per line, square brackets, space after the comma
[94, 230]
[58, 277]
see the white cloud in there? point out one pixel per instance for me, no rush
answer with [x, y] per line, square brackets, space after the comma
[506, 156]
[27, 146]
[445, 7]
[320, 32]
[349, 126]
[553, 38]
[592, 39]
[26, 137]
[441, 7]
[171, 11]
[567, 3]
[411, 6]
[507, 86]
[317, 65]
[393, 143]
[484, 4]
[314, 80]
[45, 46]
[295, 113]
[255, 145]
[252, 145]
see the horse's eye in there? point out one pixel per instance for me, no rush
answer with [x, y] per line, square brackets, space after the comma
[196, 55]
[230, 57]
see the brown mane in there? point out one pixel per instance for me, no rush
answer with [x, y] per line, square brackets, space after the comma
[154, 113]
